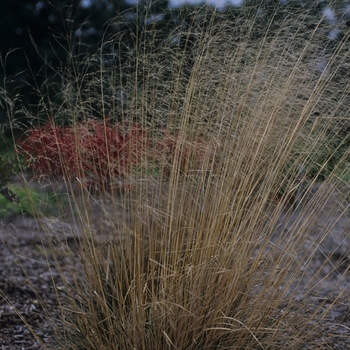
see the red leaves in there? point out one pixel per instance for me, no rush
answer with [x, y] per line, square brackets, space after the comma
[44, 146]
[94, 151]
[99, 153]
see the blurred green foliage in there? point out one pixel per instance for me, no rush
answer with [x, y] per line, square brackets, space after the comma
[31, 202]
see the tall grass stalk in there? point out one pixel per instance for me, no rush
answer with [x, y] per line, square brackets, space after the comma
[211, 248]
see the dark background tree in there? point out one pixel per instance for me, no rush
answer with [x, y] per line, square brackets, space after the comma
[39, 36]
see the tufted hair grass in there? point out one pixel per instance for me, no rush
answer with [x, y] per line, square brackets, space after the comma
[214, 247]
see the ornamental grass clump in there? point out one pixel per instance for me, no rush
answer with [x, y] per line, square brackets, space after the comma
[220, 243]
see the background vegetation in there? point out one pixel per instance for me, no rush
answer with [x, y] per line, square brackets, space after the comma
[45, 35]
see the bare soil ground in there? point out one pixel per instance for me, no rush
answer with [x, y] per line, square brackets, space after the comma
[27, 266]
[24, 266]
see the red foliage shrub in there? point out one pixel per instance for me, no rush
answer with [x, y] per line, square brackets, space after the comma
[98, 153]
[94, 151]
[44, 146]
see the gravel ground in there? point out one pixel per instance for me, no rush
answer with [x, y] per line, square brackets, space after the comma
[24, 265]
